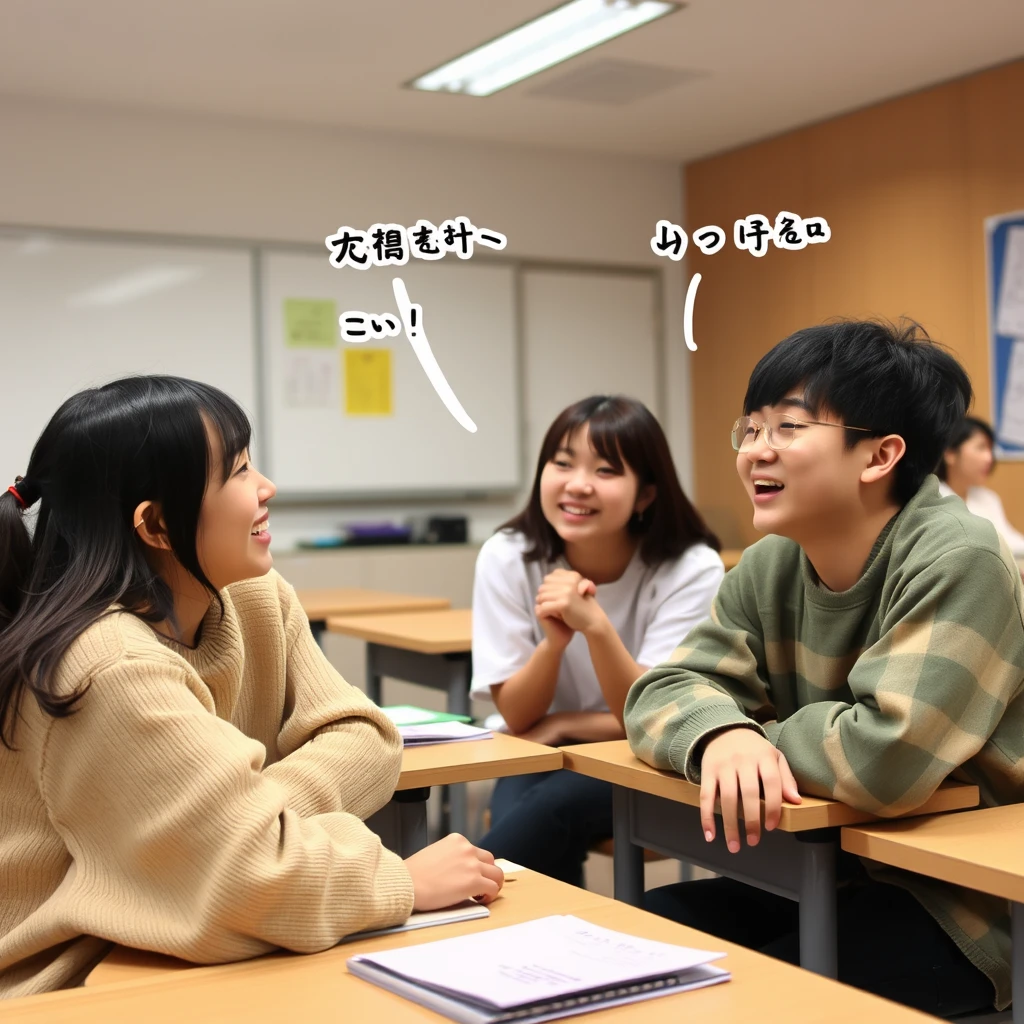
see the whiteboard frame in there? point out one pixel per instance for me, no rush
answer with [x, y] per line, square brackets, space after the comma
[257, 248]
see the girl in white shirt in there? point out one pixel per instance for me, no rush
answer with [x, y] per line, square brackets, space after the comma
[966, 464]
[600, 577]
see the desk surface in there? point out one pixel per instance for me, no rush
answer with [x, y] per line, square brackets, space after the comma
[977, 849]
[317, 989]
[614, 762]
[443, 764]
[321, 603]
[449, 631]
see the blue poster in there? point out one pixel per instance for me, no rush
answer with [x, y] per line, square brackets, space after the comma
[1004, 247]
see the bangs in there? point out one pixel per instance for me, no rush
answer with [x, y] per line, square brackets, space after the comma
[605, 438]
[796, 364]
[231, 423]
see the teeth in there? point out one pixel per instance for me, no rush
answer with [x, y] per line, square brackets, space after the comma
[260, 527]
[576, 510]
[768, 484]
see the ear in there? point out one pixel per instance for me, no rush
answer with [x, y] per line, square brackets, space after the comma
[885, 453]
[645, 498]
[150, 526]
[949, 456]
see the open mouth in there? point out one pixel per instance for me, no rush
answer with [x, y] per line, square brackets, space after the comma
[260, 528]
[766, 488]
[577, 510]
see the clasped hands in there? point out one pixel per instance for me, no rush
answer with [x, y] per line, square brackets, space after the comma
[566, 603]
[738, 766]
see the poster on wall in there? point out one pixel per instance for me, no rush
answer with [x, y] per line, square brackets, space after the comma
[1004, 250]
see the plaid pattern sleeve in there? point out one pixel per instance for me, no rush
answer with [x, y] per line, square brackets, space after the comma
[925, 696]
[715, 680]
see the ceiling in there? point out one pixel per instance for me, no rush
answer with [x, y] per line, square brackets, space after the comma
[715, 75]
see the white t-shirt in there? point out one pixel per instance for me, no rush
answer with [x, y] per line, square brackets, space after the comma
[652, 610]
[985, 503]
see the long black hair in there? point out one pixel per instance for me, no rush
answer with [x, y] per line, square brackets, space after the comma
[104, 452]
[624, 432]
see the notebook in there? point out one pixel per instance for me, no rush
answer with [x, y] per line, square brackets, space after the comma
[406, 714]
[442, 732]
[467, 910]
[540, 970]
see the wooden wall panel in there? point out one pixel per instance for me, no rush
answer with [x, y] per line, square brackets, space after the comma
[905, 187]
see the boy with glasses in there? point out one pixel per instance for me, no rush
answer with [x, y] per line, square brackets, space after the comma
[867, 649]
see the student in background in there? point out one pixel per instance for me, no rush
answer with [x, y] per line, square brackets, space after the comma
[869, 647]
[181, 768]
[602, 574]
[966, 464]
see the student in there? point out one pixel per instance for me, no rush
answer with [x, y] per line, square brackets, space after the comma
[181, 770]
[601, 574]
[869, 647]
[966, 463]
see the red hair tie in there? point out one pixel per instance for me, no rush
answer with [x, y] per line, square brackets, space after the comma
[13, 489]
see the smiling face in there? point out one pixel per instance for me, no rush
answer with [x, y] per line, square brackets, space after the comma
[583, 496]
[810, 488]
[233, 540]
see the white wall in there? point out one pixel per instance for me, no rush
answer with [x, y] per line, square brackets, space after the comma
[113, 169]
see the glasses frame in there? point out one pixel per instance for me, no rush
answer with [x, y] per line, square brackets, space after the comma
[766, 429]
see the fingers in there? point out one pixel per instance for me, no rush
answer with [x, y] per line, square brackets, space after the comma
[789, 791]
[771, 782]
[750, 790]
[728, 791]
[708, 792]
[486, 856]
[586, 588]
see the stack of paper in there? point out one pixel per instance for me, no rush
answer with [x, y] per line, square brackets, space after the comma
[442, 732]
[536, 971]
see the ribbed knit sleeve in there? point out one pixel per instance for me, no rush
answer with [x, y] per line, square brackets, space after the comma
[340, 751]
[182, 844]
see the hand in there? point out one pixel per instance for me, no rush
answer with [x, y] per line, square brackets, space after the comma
[452, 870]
[556, 632]
[570, 598]
[736, 765]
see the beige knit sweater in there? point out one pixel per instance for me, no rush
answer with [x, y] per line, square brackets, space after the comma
[204, 803]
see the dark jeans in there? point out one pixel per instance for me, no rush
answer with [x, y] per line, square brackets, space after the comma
[548, 821]
[888, 943]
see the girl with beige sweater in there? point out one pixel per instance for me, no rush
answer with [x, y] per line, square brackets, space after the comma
[181, 769]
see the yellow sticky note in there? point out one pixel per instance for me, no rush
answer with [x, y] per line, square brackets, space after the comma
[310, 323]
[368, 382]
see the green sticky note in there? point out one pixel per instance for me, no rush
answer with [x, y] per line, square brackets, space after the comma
[310, 323]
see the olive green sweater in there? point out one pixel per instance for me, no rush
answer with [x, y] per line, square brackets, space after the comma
[875, 694]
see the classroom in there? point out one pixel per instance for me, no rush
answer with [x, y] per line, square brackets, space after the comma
[463, 265]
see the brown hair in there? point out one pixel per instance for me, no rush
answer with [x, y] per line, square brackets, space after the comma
[623, 431]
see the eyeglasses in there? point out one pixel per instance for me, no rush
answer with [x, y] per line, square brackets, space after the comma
[780, 430]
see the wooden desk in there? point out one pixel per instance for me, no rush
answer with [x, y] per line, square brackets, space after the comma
[320, 604]
[432, 648]
[977, 849]
[318, 989]
[660, 811]
[731, 557]
[402, 823]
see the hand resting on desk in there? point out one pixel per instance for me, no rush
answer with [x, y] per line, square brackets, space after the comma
[736, 766]
[452, 870]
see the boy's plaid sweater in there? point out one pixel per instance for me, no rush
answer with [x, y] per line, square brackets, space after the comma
[875, 694]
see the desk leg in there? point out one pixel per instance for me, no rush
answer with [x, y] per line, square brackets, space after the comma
[818, 917]
[455, 799]
[628, 863]
[373, 677]
[1017, 960]
[402, 823]
[318, 627]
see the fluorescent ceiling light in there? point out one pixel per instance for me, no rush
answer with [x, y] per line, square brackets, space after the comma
[135, 285]
[540, 44]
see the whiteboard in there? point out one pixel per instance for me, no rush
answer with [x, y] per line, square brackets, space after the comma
[318, 447]
[77, 311]
[587, 332]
